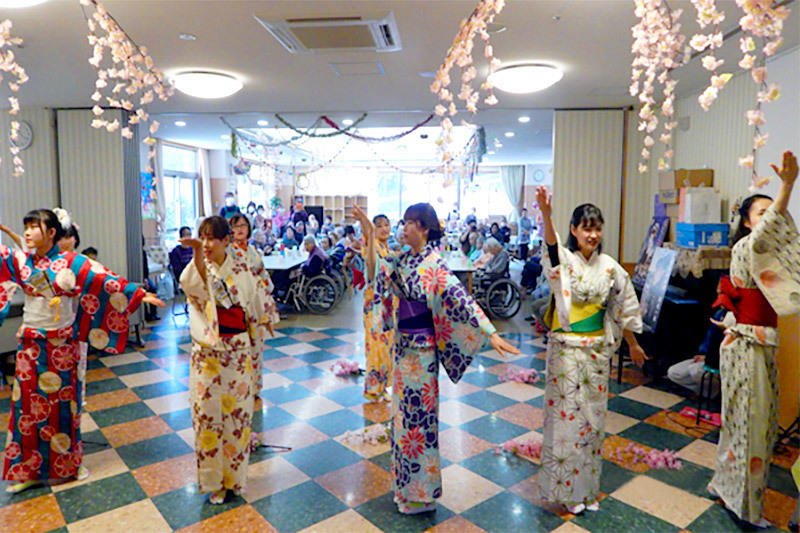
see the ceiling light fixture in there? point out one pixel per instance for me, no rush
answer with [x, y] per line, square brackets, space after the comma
[206, 84]
[490, 152]
[521, 79]
[180, 123]
[509, 134]
[225, 137]
[263, 122]
[347, 122]
[188, 37]
[524, 119]
[20, 3]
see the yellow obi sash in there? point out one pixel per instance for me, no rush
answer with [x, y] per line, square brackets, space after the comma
[585, 319]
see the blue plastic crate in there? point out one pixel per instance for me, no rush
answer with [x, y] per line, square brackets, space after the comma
[694, 235]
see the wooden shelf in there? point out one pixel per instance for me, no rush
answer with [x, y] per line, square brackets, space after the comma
[338, 207]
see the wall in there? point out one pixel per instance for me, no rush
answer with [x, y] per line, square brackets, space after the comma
[529, 187]
[38, 187]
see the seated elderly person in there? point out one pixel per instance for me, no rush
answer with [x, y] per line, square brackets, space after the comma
[315, 263]
[498, 264]
[485, 255]
[480, 250]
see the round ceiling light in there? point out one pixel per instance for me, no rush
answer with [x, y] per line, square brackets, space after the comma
[521, 79]
[206, 84]
[263, 122]
[20, 3]
[524, 119]
[180, 123]
[347, 122]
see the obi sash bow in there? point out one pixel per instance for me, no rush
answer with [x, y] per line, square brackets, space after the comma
[749, 306]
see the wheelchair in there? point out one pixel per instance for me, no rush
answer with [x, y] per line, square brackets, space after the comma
[497, 294]
[317, 294]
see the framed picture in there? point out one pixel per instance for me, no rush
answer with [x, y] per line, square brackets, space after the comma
[655, 238]
[655, 287]
[148, 192]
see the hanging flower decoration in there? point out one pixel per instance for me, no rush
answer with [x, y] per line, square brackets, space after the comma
[762, 19]
[658, 48]
[709, 15]
[460, 55]
[9, 65]
[130, 83]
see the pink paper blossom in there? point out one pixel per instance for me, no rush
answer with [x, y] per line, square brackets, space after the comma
[528, 375]
[633, 454]
[747, 61]
[9, 65]
[345, 368]
[532, 449]
[712, 63]
[755, 117]
[759, 74]
[746, 161]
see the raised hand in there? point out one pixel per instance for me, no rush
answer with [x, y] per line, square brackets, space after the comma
[788, 172]
[367, 227]
[196, 244]
[545, 201]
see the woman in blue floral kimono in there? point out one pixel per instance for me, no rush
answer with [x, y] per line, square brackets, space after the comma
[437, 322]
[44, 436]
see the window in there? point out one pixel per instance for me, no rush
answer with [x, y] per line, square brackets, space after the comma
[487, 195]
[258, 186]
[180, 189]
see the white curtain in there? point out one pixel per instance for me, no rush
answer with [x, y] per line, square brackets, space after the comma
[513, 178]
[205, 182]
[158, 174]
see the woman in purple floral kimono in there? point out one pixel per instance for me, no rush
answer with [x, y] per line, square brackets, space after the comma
[437, 322]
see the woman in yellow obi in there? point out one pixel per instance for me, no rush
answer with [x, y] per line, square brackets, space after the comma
[379, 325]
[593, 307]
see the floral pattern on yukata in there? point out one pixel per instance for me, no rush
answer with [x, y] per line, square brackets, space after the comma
[576, 387]
[44, 437]
[768, 259]
[223, 380]
[460, 331]
[379, 325]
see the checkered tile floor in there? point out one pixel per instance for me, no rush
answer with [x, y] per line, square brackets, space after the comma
[139, 442]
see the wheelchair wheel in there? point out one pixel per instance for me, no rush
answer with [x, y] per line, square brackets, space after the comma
[339, 282]
[503, 298]
[320, 294]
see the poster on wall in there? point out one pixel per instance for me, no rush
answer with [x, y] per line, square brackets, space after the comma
[655, 288]
[655, 238]
[148, 191]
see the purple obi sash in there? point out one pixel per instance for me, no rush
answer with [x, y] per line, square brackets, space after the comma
[414, 317]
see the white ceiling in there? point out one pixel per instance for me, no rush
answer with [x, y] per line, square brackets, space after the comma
[590, 42]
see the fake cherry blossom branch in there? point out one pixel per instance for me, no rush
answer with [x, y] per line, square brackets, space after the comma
[9, 65]
[131, 76]
[460, 55]
[762, 19]
[374, 435]
[658, 49]
[709, 15]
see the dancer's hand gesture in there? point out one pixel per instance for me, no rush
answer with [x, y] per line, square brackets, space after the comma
[501, 346]
[788, 173]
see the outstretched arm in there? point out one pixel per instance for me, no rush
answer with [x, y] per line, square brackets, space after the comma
[368, 230]
[14, 236]
[788, 175]
[545, 201]
[197, 255]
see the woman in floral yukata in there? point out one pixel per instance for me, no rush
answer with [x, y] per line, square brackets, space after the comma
[765, 283]
[44, 436]
[230, 309]
[379, 324]
[437, 322]
[593, 306]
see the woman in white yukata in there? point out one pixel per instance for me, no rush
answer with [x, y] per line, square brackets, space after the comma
[765, 283]
[229, 311]
[593, 306]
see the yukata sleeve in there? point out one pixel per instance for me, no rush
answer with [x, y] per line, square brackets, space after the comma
[8, 278]
[106, 302]
[258, 267]
[558, 274]
[461, 327]
[774, 261]
[623, 305]
[381, 295]
[203, 321]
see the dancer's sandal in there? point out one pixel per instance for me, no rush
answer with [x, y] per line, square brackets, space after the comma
[25, 485]
[576, 509]
[218, 497]
[416, 507]
[593, 507]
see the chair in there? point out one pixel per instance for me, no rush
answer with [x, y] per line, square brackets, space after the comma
[701, 397]
[178, 293]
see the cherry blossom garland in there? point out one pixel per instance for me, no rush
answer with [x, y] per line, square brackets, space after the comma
[656, 459]
[525, 375]
[460, 55]
[373, 435]
[532, 449]
[709, 15]
[132, 76]
[8, 64]
[343, 367]
[762, 19]
[658, 49]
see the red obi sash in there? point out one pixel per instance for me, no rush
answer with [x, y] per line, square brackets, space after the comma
[231, 321]
[749, 306]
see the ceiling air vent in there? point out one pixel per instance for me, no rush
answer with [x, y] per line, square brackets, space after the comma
[335, 34]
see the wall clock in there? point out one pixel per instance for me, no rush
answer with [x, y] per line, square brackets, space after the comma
[538, 175]
[24, 136]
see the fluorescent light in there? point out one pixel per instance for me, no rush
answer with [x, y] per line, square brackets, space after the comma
[347, 122]
[20, 3]
[524, 119]
[490, 152]
[180, 123]
[263, 122]
[225, 137]
[188, 37]
[206, 84]
[509, 134]
[525, 78]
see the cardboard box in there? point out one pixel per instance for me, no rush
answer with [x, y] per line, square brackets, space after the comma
[669, 196]
[694, 235]
[676, 179]
[700, 205]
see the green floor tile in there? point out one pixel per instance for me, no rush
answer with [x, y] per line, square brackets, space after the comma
[284, 513]
[631, 408]
[656, 437]
[614, 476]
[510, 513]
[383, 460]
[135, 368]
[99, 496]
[690, 477]
[492, 429]
[178, 420]
[487, 401]
[147, 392]
[321, 458]
[781, 480]
[123, 413]
[718, 519]
[383, 513]
[334, 424]
[503, 469]
[31, 493]
[615, 516]
[153, 450]
[186, 506]
[104, 385]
